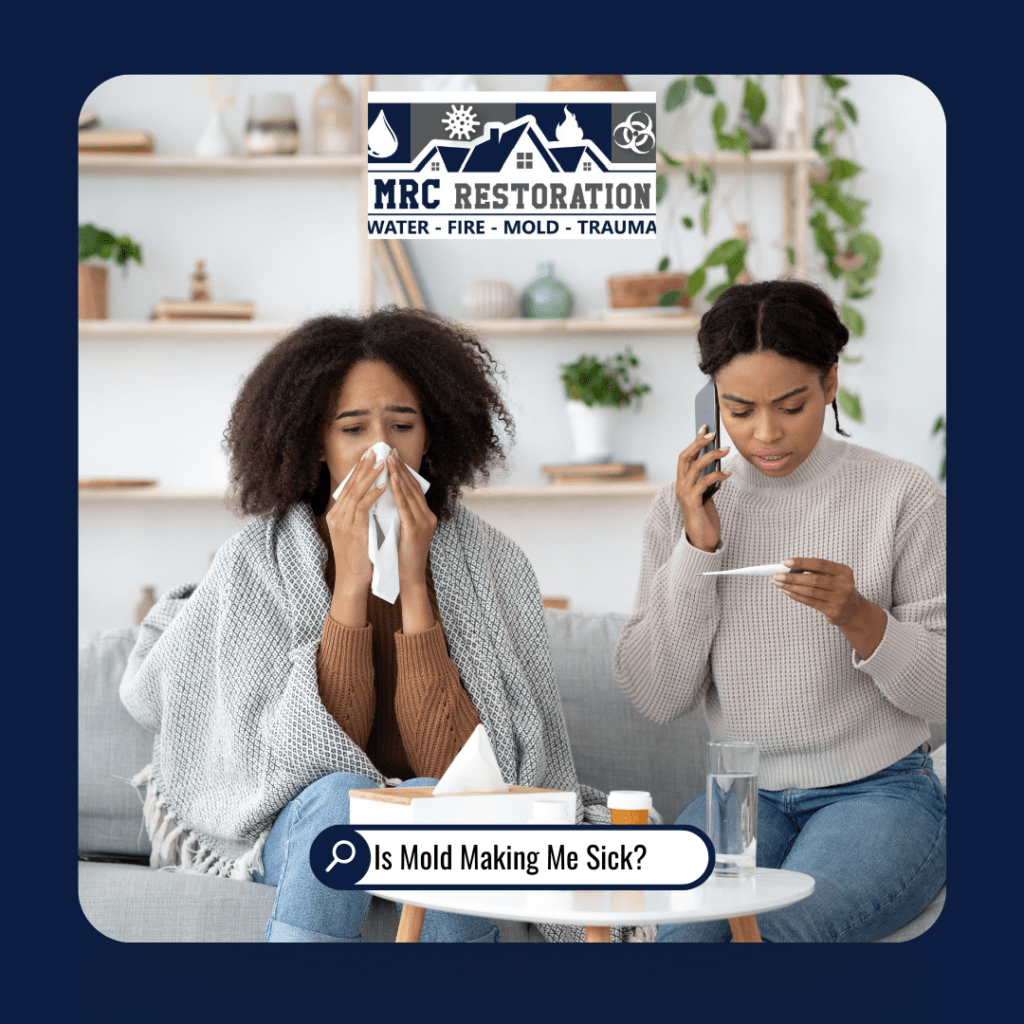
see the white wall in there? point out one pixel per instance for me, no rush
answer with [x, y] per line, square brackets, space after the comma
[158, 408]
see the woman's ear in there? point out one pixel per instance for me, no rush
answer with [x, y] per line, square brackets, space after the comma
[426, 443]
[831, 383]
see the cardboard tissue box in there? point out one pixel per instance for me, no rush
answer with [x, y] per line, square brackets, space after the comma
[471, 792]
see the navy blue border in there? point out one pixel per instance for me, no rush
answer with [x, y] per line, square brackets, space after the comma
[962, 60]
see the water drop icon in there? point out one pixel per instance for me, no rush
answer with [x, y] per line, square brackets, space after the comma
[381, 140]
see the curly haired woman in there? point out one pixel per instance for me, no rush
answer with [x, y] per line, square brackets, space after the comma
[282, 681]
[835, 672]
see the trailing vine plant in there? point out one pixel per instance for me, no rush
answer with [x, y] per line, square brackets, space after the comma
[730, 254]
[837, 221]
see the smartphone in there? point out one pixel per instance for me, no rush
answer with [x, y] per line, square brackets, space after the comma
[705, 408]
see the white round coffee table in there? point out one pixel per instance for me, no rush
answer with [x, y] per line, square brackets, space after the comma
[736, 899]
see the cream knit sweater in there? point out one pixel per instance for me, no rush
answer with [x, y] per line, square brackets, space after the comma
[774, 671]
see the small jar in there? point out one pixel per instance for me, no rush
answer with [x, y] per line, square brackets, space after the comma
[332, 118]
[629, 806]
[549, 812]
[546, 298]
[271, 127]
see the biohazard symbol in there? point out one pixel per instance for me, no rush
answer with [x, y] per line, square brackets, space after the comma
[634, 133]
[460, 122]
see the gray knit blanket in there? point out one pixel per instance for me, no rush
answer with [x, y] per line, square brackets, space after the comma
[224, 672]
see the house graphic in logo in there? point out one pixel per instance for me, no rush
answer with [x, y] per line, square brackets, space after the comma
[519, 146]
[512, 164]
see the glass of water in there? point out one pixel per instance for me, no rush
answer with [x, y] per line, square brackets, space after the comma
[732, 806]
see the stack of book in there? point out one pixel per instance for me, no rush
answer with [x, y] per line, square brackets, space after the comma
[96, 140]
[596, 473]
[188, 309]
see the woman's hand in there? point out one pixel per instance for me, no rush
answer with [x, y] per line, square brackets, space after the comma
[418, 523]
[828, 587]
[700, 519]
[348, 524]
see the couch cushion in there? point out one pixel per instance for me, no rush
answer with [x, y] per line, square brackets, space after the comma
[112, 747]
[613, 745]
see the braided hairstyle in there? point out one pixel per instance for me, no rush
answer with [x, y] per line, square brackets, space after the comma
[797, 319]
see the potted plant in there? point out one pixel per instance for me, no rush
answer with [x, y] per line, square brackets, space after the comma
[93, 243]
[596, 390]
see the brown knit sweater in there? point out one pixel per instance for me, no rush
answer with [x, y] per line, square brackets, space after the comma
[399, 697]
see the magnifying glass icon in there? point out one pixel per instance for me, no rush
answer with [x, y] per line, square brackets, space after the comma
[337, 859]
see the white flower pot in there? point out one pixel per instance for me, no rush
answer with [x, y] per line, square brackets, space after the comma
[592, 427]
[215, 140]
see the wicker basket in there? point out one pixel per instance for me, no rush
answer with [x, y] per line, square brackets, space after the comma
[639, 291]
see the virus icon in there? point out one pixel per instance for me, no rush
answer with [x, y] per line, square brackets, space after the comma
[460, 122]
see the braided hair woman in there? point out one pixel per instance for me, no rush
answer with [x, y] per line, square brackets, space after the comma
[834, 670]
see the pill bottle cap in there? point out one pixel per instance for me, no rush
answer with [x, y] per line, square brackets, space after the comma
[629, 800]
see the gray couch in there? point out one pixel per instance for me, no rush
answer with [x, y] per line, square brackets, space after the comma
[614, 748]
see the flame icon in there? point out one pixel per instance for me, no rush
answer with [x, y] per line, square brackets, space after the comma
[569, 130]
[381, 140]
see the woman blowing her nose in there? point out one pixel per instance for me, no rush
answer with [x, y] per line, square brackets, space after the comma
[283, 680]
[834, 672]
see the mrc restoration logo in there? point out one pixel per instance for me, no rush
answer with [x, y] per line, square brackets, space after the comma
[509, 165]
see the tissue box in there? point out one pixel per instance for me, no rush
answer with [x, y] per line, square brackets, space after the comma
[417, 805]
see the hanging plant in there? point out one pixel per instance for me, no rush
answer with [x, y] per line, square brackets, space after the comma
[732, 253]
[837, 221]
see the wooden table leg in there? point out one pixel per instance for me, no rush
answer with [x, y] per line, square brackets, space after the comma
[598, 933]
[411, 923]
[744, 929]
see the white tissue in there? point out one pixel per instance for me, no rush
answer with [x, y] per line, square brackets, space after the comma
[753, 570]
[474, 770]
[384, 514]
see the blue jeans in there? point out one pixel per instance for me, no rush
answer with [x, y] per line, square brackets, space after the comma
[876, 849]
[306, 910]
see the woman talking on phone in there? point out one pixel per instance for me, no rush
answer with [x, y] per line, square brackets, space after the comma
[835, 669]
[300, 668]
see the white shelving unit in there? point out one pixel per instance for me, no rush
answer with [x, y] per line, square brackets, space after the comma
[162, 509]
[511, 328]
[154, 163]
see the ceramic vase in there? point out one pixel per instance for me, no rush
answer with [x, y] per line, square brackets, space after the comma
[592, 427]
[489, 300]
[215, 140]
[142, 609]
[332, 118]
[546, 298]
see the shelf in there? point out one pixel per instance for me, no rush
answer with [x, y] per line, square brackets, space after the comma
[624, 490]
[731, 161]
[685, 323]
[268, 329]
[148, 163]
[149, 494]
[351, 163]
[548, 491]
